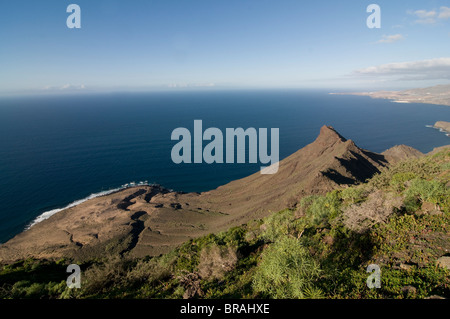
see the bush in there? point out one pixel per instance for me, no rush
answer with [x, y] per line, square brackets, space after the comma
[149, 272]
[287, 270]
[354, 194]
[376, 209]
[278, 225]
[411, 204]
[428, 191]
[100, 278]
[26, 289]
[398, 181]
[216, 261]
[320, 209]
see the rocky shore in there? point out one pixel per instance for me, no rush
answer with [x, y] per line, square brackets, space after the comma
[441, 125]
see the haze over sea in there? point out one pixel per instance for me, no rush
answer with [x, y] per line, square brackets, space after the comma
[55, 150]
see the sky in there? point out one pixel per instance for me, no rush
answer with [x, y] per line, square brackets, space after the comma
[144, 45]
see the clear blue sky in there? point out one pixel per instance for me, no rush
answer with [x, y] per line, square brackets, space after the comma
[145, 45]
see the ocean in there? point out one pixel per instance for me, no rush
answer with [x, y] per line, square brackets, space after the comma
[56, 151]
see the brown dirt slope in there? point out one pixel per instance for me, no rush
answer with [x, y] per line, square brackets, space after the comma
[151, 220]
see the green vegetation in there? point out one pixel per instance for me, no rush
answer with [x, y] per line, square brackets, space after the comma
[322, 209]
[313, 251]
[428, 191]
[287, 270]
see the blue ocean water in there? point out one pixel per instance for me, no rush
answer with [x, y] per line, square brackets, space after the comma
[59, 149]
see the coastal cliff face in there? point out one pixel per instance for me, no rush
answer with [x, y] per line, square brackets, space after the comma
[151, 220]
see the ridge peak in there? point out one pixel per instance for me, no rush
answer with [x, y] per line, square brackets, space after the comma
[329, 134]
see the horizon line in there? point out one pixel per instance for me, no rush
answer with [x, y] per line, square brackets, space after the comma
[105, 91]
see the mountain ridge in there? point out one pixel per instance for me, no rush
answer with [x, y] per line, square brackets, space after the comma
[151, 220]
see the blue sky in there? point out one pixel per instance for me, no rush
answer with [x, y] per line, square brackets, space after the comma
[168, 44]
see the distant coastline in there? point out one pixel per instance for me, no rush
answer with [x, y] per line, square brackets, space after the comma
[439, 95]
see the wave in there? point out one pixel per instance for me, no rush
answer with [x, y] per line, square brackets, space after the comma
[52, 212]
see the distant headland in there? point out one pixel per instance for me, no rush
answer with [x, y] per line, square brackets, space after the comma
[439, 94]
[443, 126]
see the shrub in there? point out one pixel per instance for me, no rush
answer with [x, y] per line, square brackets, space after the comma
[428, 191]
[278, 225]
[150, 271]
[216, 261]
[376, 209]
[398, 181]
[320, 209]
[353, 194]
[35, 290]
[411, 204]
[287, 270]
[99, 278]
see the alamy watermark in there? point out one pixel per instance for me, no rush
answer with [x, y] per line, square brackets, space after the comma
[374, 280]
[374, 20]
[74, 19]
[213, 152]
[74, 280]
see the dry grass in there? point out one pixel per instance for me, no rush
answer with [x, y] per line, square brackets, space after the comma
[215, 261]
[376, 209]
